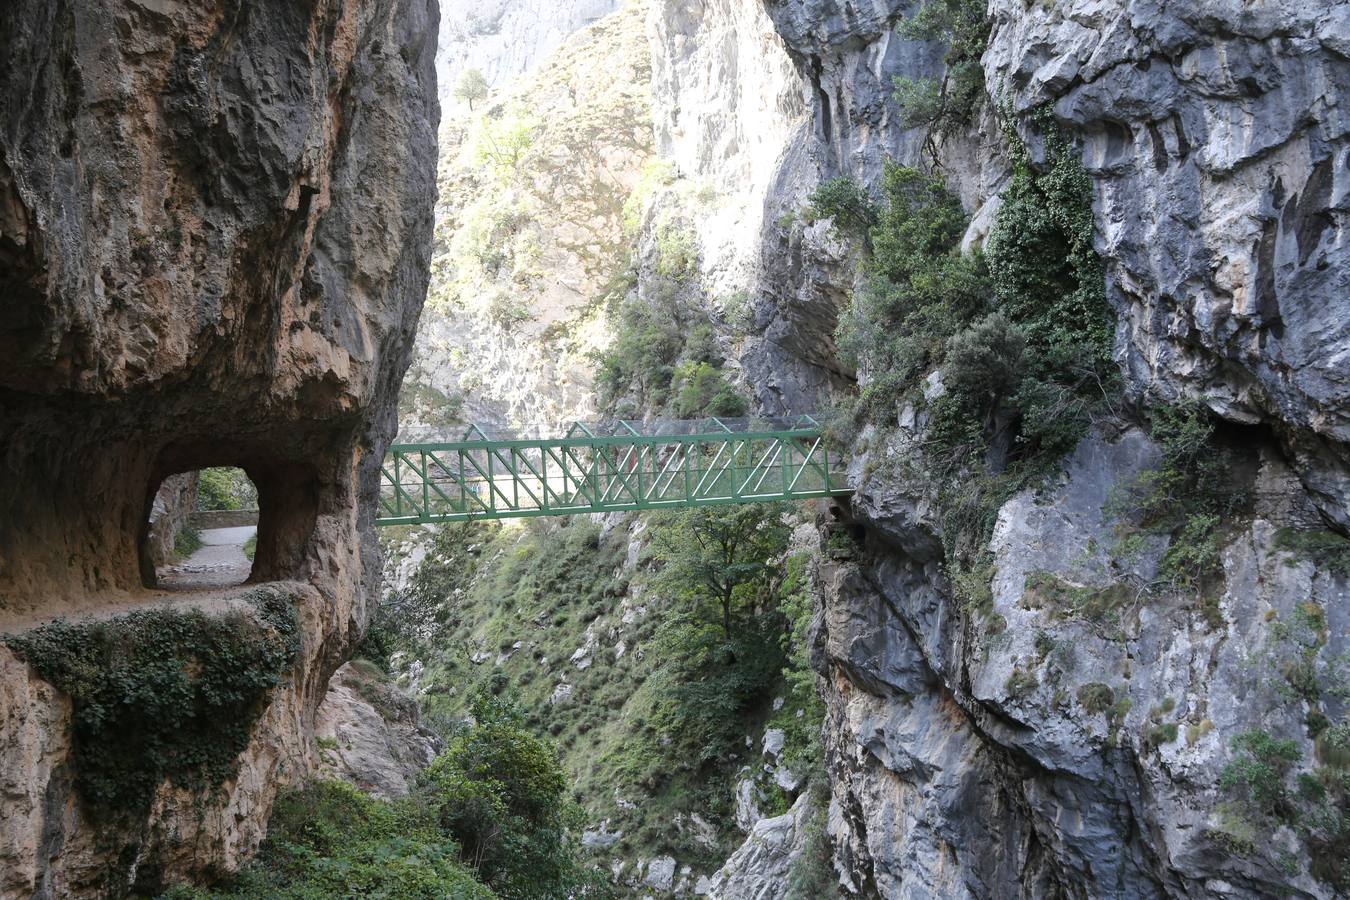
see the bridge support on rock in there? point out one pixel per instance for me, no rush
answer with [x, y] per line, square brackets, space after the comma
[605, 467]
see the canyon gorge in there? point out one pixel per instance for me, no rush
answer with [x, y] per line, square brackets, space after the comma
[1067, 282]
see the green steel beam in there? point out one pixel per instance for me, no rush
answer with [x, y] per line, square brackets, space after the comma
[585, 472]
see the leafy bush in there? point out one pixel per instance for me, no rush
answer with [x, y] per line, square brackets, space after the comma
[225, 488]
[842, 200]
[1095, 697]
[500, 793]
[162, 694]
[1259, 768]
[504, 140]
[1021, 333]
[803, 711]
[330, 840]
[1075, 601]
[702, 390]
[942, 106]
[812, 875]
[676, 252]
[1046, 275]
[1189, 494]
[919, 292]
[1021, 683]
[1317, 808]
[667, 362]
[1327, 549]
[641, 357]
[186, 542]
[1333, 746]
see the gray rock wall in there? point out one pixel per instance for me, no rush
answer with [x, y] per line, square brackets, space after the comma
[170, 513]
[1215, 137]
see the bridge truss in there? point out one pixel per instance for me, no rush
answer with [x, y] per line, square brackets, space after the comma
[609, 466]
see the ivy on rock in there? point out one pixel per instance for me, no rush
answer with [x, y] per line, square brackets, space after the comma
[162, 694]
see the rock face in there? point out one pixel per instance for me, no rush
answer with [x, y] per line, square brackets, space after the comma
[928, 724]
[733, 114]
[369, 733]
[169, 513]
[504, 39]
[215, 227]
[531, 232]
[1215, 138]
[759, 869]
[963, 758]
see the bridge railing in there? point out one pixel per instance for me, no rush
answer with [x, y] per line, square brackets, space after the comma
[605, 467]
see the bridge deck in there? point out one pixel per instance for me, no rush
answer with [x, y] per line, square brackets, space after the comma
[608, 466]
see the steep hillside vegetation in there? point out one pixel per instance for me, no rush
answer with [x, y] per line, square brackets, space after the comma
[656, 666]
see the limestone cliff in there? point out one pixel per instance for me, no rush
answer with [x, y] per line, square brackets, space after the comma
[530, 233]
[505, 39]
[969, 760]
[1214, 137]
[214, 241]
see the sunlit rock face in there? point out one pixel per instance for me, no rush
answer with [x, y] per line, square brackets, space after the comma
[506, 38]
[531, 232]
[215, 226]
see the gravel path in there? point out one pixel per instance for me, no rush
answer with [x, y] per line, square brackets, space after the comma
[220, 562]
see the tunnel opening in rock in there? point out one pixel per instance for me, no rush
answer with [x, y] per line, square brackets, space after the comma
[220, 526]
[202, 529]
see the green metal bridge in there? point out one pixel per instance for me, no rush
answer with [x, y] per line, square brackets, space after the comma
[608, 466]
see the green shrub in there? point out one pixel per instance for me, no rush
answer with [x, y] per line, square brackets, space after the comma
[251, 546]
[1045, 273]
[1317, 808]
[1234, 829]
[676, 252]
[187, 542]
[1190, 495]
[1095, 697]
[1260, 766]
[331, 840]
[812, 875]
[943, 106]
[842, 200]
[1333, 746]
[666, 361]
[702, 390]
[803, 711]
[500, 793]
[225, 488]
[162, 694]
[1021, 683]
[1045, 589]
[1326, 549]
[919, 292]
[1021, 333]
[1158, 733]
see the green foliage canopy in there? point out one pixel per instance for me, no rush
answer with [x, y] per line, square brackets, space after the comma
[500, 792]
